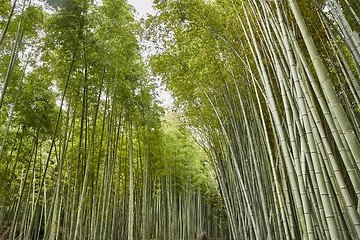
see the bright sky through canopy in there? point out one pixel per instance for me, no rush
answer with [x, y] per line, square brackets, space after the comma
[143, 7]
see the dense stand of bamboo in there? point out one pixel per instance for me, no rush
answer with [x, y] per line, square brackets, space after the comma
[271, 89]
[282, 110]
[83, 153]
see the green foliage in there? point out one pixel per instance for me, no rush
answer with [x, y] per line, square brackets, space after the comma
[36, 104]
[184, 159]
[5, 7]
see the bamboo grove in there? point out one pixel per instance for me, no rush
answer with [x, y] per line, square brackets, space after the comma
[86, 152]
[271, 88]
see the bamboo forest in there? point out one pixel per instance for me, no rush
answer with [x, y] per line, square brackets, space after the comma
[261, 139]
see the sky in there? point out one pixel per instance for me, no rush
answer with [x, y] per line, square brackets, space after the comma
[142, 7]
